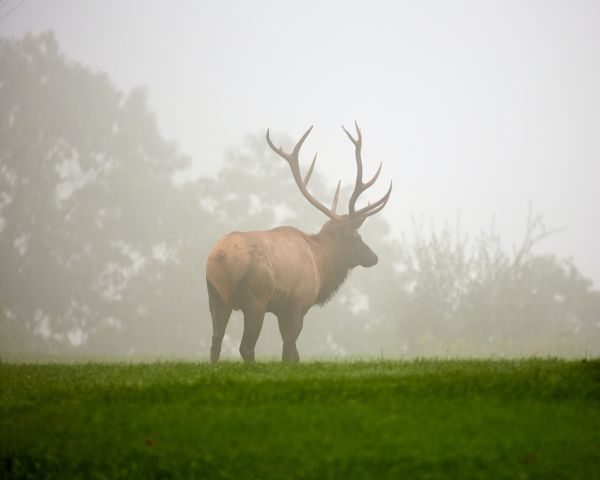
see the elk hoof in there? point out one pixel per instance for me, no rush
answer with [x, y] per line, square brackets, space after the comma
[247, 355]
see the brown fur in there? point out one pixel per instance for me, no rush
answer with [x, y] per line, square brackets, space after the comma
[283, 271]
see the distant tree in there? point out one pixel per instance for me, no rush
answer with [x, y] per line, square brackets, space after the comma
[88, 212]
[469, 296]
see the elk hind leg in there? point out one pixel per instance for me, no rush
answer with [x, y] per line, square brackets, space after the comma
[253, 322]
[220, 313]
[290, 328]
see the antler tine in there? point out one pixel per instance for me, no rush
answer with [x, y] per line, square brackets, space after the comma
[375, 177]
[373, 208]
[293, 161]
[352, 139]
[359, 186]
[279, 150]
[289, 156]
[300, 142]
[335, 198]
[310, 170]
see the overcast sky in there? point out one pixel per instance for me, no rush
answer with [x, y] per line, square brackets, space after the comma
[473, 107]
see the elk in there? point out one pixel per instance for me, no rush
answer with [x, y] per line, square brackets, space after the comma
[284, 270]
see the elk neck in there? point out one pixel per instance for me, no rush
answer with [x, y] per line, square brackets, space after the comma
[333, 267]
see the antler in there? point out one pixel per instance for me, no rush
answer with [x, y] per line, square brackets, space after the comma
[360, 186]
[292, 159]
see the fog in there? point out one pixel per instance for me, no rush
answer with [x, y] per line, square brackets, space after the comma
[484, 114]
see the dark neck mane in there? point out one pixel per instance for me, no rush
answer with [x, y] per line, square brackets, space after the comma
[334, 270]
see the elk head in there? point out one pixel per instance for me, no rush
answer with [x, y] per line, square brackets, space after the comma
[340, 233]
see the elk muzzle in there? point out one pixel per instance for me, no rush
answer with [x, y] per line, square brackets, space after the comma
[368, 257]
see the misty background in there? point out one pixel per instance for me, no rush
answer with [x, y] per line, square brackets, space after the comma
[132, 138]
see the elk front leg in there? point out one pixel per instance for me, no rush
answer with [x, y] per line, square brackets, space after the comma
[290, 327]
[253, 321]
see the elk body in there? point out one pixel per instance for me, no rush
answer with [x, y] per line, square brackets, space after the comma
[284, 270]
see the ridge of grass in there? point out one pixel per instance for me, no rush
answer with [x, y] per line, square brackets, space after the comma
[529, 418]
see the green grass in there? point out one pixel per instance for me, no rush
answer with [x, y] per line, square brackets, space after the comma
[403, 420]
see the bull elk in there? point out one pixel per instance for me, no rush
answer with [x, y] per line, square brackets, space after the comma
[284, 270]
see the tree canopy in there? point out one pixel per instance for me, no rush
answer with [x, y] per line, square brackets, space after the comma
[101, 252]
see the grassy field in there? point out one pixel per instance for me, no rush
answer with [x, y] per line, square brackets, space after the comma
[403, 420]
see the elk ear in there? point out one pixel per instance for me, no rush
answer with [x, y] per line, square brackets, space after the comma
[355, 223]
